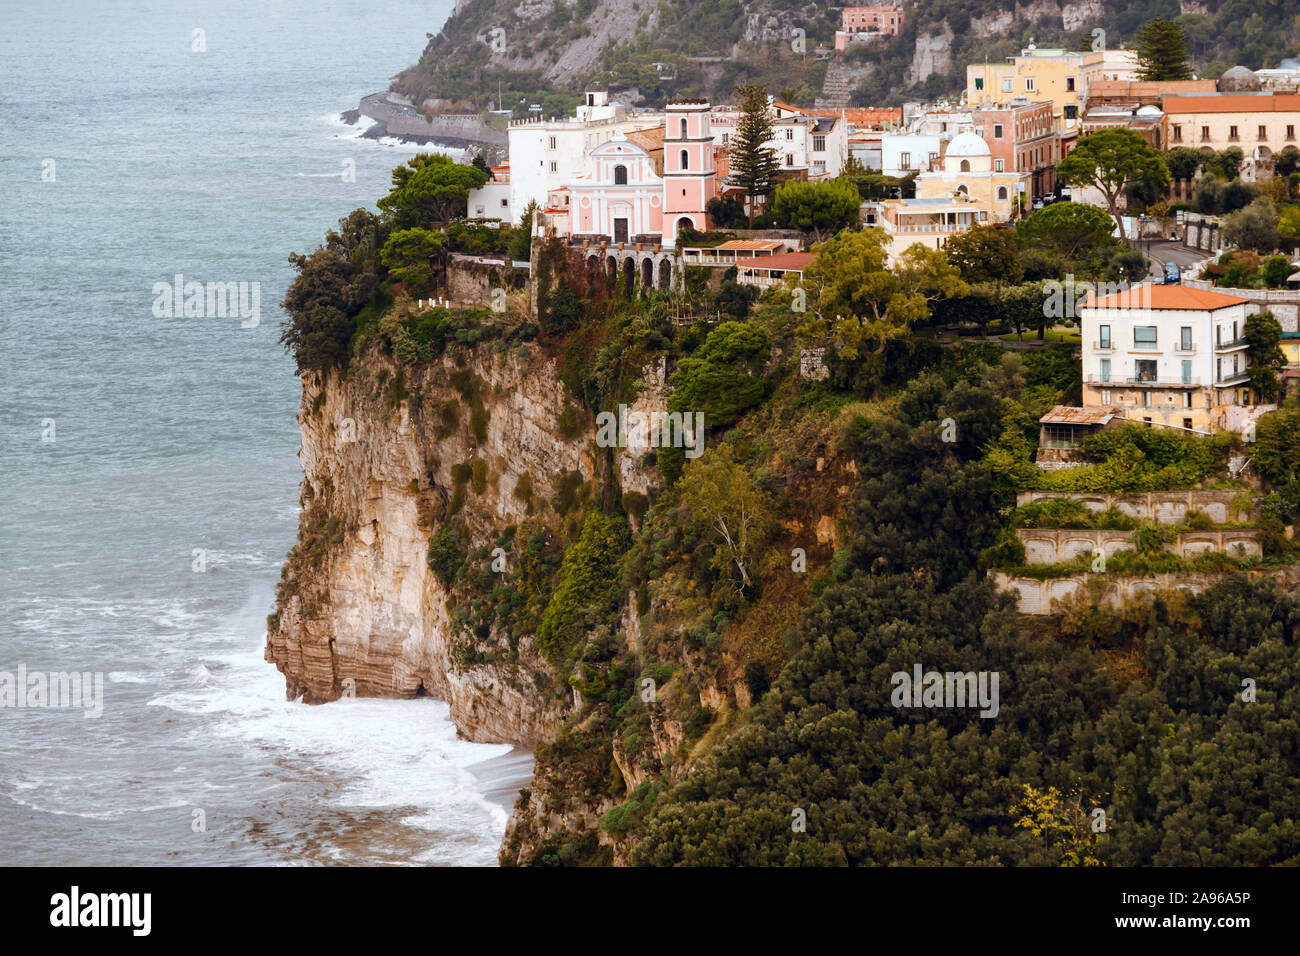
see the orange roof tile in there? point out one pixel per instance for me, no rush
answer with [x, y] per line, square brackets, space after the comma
[786, 260]
[1232, 103]
[1167, 297]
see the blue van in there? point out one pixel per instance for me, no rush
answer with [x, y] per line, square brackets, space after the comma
[1172, 275]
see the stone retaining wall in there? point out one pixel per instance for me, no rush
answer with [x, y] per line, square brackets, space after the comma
[1165, 507]
[1056, 545]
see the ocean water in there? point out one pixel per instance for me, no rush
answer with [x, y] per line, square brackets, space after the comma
[148, 471]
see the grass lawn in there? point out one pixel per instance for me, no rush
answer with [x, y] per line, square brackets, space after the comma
[1066, 335]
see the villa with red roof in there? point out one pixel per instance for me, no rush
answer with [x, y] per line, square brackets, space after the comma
[1169, 355]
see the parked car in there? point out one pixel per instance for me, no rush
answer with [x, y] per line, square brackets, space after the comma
[1173, 275]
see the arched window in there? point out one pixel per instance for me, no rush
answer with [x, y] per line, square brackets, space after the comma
[965, 165]
[620, 175]
[963, 190]
[683, 127]
[686, 159]
[1002, 192]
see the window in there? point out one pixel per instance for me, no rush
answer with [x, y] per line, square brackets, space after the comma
[1262, 133]
[725, 138]
[620, 175]
[1002, 192]
[965, 165]
[1105, 370]
[1178, 133]
[1144, 336]
[1232, 133]
[1103, 341]
[904, 160]
[478, 210]
[685, 158]
[1187, 424]
[1187, 399]
[819, 144]
[555, 167]
[1290, 131]
[1205, 134]
[979, 82]
[1185, 338]
[1029, 84]
[1006, 85]
[1144, 370]
[552, 142]
[998, 165]
[997, 130]
[789, 134]
[505, 203]
[1069, 84]
[1071, 111]
[683, 128]
[1105, 396]
[789, 159]
[1187, 372]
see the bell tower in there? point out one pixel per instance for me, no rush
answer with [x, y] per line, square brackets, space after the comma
[690, 179]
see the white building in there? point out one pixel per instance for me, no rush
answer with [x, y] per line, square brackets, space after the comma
[802, 141]
[1168, 354]
[492, 199]
[546, 154]
[903, 153]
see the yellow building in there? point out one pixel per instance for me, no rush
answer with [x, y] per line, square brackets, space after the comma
[1061, 76]
[930, 222]
[1259, 124]
[969, 173]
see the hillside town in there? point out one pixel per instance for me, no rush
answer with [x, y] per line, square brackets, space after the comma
[649, 189]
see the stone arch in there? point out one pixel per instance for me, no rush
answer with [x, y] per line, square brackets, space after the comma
[665, 273]
[965, 166]
[685, 159]
[629, 276]
[647, 273]
[611, 273]
[685, 222]
[1002, 192]
[593, 272]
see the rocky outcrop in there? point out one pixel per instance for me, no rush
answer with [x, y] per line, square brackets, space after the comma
[360, 612]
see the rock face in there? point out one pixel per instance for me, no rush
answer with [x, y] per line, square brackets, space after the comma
[359, 609]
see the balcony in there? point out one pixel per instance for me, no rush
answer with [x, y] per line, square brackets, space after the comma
[1230, 346]
[1104, 346]
[931, 227]
[1112, 382]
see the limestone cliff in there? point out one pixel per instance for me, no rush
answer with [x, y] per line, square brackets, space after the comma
[359, 609]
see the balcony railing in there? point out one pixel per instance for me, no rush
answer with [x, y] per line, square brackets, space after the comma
[934, 227]
[1143, 382]
[1234, 344]
[1104, 346]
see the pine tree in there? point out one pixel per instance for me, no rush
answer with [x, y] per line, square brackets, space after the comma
[1162, 51]
[754, 164]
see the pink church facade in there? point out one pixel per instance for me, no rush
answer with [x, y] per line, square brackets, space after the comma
[623, 197]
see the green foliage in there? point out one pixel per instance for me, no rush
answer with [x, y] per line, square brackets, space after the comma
[754, 164]
[1111, 160]
[1254, 227]
[588, 588]
[431, 187]
[409, 255]
[447, 551]
[1162, 51]
[820, 208]
[724, 378]
[1077, 237]
[1276, 451]
[332, 286]
[987, 253]
[1262, 334]
[727, 506]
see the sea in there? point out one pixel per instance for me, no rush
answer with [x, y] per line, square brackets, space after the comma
[148, 470]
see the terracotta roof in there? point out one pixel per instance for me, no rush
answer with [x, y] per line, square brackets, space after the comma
[648, 139]
[751, 244]
[1173, 297]
[1142, 89]
[861, 115]
[1233, 103]
[1070, 415]
[785, 260]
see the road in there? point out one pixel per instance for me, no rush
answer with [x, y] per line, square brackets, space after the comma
[1163, 251]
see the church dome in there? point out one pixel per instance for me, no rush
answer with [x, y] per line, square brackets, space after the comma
[1238, 80]
[968, 144]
